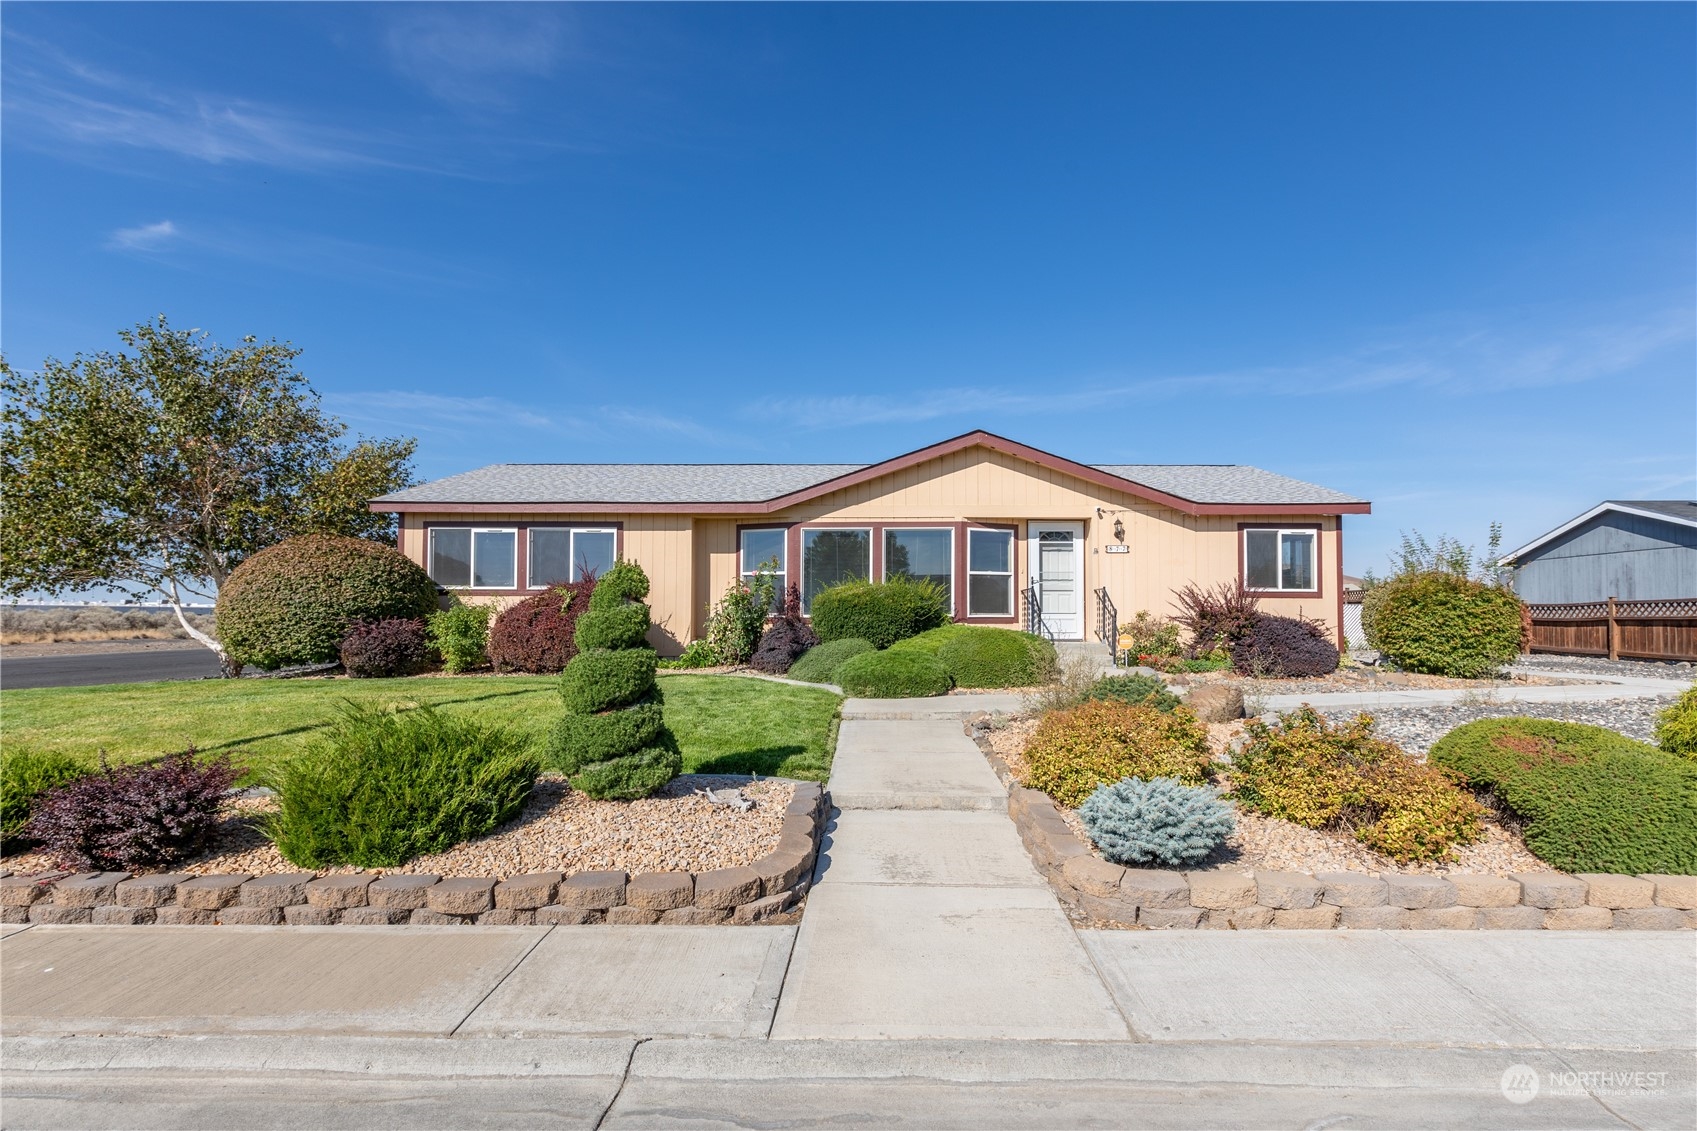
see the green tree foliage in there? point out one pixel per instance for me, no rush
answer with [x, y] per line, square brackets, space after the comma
[1445, 624]
[158, 468]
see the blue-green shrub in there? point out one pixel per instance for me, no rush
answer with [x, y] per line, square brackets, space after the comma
[1160, 821]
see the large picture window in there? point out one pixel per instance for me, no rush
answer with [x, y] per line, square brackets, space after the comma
[463, 557]
[561, 554]
[762, 551]
[927, 554]
[1279, 560]
[831, 557]
[989, 573]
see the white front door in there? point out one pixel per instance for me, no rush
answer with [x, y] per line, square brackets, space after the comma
[1056, 557]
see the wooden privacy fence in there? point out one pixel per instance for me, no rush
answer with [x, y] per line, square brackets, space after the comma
[1634, 630]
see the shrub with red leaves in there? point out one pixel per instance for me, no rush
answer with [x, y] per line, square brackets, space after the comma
[1284, 648]
[785, 639]
[128, 817]
[535, 635]
[390, 647]
[1214, 616]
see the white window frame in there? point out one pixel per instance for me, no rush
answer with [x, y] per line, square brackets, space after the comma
[1279, 558]
[1011, 573]
[884, 552]
[571, 547]
[871, 532]
[471, 554]
[780, 576]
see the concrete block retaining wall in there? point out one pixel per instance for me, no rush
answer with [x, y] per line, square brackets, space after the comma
[755, 893]
[1227, 899]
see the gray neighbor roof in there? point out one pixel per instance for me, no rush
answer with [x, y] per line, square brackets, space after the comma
[1681, 509]
[520, 483]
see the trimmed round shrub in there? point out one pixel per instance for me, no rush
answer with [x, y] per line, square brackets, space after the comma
[624, 626]
[1443, 624]
[882, 612]
[1149, 690]
[126, 817]
[980, 656]
[538, 635]
[461, 634]
[819, 664]
[1303, 769]
[931, 641]
[1676, 727]
[385, 648]
[25, 775]
[1160, 821]
[1097, 743]
[294, 602]
[892, 675]
[379, 788]
[1591, 800]
[1284, 648]
[613, 742]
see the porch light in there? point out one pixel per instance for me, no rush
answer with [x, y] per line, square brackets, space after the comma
[1119, 531]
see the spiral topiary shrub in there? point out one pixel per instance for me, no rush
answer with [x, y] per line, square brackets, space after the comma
[882, 612]
[1444, 624]
[385, 648]
[1283, 648]
[893, 675]
[820, 663]
[538, 635]
[612, 741]
[1073, 752]
[1149, 690]
[1676, 727]
[294, 602]
[1159, 821]
[978, 656]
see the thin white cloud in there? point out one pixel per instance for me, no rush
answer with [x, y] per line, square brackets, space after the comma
[431, 412]
[146, 237]
[652, 421]
[472, 55]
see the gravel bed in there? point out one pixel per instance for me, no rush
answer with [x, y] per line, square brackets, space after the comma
[1416, 729]
[1362, 678]
[1552, 664]
[559, 830]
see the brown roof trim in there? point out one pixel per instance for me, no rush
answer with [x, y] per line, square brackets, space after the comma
[978, 438]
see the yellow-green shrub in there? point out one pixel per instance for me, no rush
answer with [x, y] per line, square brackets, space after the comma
[1072, 752]
[1676, 727]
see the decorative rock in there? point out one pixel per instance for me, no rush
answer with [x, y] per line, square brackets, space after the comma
[1092, 876]
[781, 871]
[526, 892]
[343, 890]
[209, 893]
[1220, 890]
[797, 825]
[1473, 890]
[87, 889]
[1617, 892]
[1055, 846]
[1443, 919]
[45, 912]
[796, 842]
[633, 916]
[1115, 910]
[1671, 891]
[1550, 889]
[1385, 918]
[727, 887]
[1151, 887]
[1216, 702]
[1418, 891]
[767, 907]
[1626, 919]
[406, 892]
[1322, 917]
[1351, 889]
[592, 890]
[1578, 919]
[1169, 918]
[1239, 918]
[428, 917]
[276, 891]
[14, 914]
[696, 916]
[149, 891]
[460, 895]
[658, 891]
[21, 891]
[566, 916]
[115, 915]
[1521, 918]
[1287, 890]
[176, 915]
[238, 915]
[374, 916]
[507, 917]
[311, 915]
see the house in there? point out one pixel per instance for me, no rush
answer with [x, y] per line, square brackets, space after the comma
[1017, 536]
[1635, 550]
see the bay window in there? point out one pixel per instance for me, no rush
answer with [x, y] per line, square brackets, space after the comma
[922, 554]
[830, 557]
[989, 573]
[1279, 560]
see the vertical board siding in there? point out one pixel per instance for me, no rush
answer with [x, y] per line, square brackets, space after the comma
[1630, 557]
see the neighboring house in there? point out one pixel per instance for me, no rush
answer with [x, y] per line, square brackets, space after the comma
[1636, 550]
[1003, 527]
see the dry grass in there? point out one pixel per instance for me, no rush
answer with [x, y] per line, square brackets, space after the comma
[93, 622]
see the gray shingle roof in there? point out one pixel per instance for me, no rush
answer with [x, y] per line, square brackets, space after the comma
[521, 483]
[1674, 508]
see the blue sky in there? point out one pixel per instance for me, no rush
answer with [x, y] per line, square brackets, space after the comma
[1439, 256]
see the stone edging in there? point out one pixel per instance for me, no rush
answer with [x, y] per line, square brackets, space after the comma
[766, 890]
[1092, 888]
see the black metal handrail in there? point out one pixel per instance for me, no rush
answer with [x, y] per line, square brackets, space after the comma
[1034, 622]
[1108, 623]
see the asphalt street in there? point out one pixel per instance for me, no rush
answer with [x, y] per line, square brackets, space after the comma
[108, 667]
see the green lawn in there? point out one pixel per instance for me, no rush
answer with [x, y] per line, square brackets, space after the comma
[726, 724]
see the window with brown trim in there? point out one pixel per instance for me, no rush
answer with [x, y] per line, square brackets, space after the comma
[1276, 560]
[925, 553]
[989, 573]
[560, 554]
[465, 557]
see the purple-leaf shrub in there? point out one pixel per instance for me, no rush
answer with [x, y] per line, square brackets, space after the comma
[393, 646]
[128, 817]
[785, 639]
[1284, 648]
